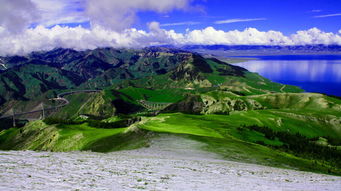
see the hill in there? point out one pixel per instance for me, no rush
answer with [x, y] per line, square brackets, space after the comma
[153, 92]
[45, 74]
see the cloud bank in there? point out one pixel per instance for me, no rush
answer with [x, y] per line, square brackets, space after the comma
[120, 14]
[16, 15]
[42, 38]
[117, 15]
[111, 22]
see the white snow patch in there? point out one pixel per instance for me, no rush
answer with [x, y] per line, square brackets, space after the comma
[167, 165]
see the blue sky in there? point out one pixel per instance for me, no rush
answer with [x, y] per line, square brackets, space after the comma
[287, 16]
[33, 25]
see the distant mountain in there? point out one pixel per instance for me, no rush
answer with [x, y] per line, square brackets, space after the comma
[234, 113]
[250, 50]
[334, 48]
[25, 78]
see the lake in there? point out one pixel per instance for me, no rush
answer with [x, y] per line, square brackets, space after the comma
[320, 74]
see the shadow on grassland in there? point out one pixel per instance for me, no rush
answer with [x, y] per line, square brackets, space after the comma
[123, 141]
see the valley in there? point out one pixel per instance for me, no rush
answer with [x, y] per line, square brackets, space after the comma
[122, 99]
[170, 95]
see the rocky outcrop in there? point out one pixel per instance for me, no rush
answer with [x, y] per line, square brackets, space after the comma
[226, 104]
[192, 105]
[192, 69]
[206, 104]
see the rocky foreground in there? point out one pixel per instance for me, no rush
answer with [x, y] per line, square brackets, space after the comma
[170, 163]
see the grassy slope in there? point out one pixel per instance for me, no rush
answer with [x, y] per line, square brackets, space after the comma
[220, 134]
[32, 80]
[86, 103]
[312, 115]
[39, 136]
[308, 114]
[166, 95]
[222, 77]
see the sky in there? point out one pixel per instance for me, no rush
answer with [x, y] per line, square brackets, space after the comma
[35, 25]
[287, 16]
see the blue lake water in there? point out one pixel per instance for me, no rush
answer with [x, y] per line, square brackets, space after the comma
[310, 73]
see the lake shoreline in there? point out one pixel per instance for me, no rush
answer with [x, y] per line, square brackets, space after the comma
[317, 76]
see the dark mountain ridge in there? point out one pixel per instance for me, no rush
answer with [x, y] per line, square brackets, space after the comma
[261, 50]
[25, 77]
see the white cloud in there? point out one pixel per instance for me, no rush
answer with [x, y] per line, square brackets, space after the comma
[316, 11]
[329, 15]
[228, 21]
[111, 14]
[42, 38]
[249, 36]
[16, 15]
[315, 36]
[179, 24]
[60, 11]
[120, 14]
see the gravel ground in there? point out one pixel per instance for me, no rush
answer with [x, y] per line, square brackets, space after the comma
[170, 163]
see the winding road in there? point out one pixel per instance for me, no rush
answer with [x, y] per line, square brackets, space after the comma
[60, 97]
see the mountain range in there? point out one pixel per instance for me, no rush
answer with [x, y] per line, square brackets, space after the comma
[25, 77]
[139, 94]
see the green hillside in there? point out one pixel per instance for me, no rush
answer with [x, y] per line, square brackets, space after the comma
[154, 92]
